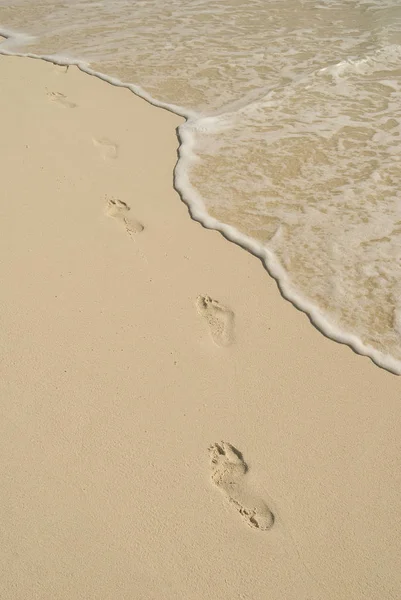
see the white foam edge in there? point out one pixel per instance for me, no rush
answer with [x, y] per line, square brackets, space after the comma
[15, 40]
[198, 212]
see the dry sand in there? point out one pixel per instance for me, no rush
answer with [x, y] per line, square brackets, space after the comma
[133, 342]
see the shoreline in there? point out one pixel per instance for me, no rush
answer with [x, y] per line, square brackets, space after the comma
[199, 213]
[117, 379]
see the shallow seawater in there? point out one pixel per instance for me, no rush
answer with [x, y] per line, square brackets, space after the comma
[292, 138]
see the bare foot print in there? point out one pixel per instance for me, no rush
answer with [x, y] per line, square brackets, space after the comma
[61, 69]
[219, 318]
[107, 148]
[229, 475]
[60, 99]
[119, 210]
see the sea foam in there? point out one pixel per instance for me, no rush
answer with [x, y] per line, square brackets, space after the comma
[290, 144]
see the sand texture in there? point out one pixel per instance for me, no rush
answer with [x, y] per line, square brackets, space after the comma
[170, 428]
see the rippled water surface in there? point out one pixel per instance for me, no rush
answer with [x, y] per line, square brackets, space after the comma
[293, 135]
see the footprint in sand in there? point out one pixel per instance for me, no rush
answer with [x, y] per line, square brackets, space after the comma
[119, 210]
[107, 148]
[229, 475]
[60, 99]
[219, 318]
[61, 69]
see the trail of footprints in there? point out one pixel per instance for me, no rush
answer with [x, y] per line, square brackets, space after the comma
[219, 318]
[228, 466]
[107, 148]
[229, 475]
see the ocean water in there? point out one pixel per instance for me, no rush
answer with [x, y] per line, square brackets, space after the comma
[292, 141]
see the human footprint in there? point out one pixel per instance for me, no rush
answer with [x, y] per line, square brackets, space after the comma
[229, 475]
[219, 318]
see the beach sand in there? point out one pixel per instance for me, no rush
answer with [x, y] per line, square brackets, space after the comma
[170, 426]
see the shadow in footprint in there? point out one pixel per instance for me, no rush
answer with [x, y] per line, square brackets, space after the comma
[219, 318]
[119, 210]
[229, 475]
